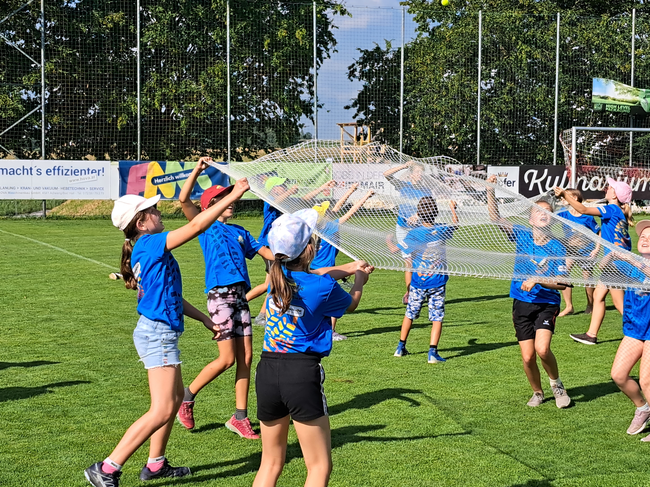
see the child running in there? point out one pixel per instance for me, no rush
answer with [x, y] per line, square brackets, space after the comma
[225, 250]
[425, 247]
[635, 345]
[615, 218]
[148, 266]
[298, 333]
[326, 253]
[577, 244]
[536, 301]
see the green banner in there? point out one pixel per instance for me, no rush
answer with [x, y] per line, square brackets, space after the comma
[611, 96]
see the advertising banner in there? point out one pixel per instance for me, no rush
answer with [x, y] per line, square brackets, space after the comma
[611, 96]
[52, 179]
[507, 177]
[149, 178]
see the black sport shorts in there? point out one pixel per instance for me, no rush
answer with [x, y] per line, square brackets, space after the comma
[290, 384]
[530, 317]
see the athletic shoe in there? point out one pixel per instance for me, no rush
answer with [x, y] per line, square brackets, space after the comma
[536, 400]
[405, 298]
[260, 320]
[166, 471]
[434, 358]
[97, 477]
[116, 276]
[584, 338]
[242, 427]
[646, 438]
[401, 350]
[337, 337]
[639, 422]
[185, 414]
[562, 399]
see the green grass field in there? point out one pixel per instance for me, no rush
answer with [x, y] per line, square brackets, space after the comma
[70, 383]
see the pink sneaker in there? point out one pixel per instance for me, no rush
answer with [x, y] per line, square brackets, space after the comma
[185, 414]
[242, 427]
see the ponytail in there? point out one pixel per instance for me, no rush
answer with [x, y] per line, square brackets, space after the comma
[627, 211]
[132, 234]
[282, 289]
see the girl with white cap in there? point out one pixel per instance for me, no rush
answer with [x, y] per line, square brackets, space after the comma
[298, 333]
[149, 267]
[615, 219]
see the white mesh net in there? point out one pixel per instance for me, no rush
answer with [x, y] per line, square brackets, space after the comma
[482, 243]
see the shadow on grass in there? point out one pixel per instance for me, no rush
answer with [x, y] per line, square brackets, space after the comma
[534, 483]
[16, 393]
[340, 436]
[477, 299]
[474, 347]
[369, 399]
[36, 363]
[208, 427]
[592, 391]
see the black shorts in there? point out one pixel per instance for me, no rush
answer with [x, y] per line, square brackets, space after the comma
[530, 317]
[290, 384]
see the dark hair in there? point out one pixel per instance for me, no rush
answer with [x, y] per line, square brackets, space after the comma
[282, 289]
[428, 210]
[132, 233]
[575, 193]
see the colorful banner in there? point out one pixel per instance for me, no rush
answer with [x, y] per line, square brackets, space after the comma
[165, 178]
[611, 96]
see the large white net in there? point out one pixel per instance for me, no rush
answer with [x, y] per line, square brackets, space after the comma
[484, 237]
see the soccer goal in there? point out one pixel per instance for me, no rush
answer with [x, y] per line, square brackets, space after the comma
[592, 154]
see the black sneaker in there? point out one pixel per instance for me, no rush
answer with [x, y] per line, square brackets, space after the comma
[97, 477]
[166, 471]
[584, 338]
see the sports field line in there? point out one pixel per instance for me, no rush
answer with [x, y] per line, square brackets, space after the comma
[58, 248]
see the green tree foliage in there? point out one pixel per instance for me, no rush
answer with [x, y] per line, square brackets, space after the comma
[517, 76]
[91, 76]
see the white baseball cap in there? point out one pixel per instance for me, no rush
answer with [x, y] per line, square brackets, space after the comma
[291, 232]
[127, 206]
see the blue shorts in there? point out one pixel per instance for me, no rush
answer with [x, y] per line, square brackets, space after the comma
[156, 343]
[436, 298]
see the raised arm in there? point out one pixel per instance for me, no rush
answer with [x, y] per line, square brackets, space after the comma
[360, 279]
[314, 193]
[493, 208]
[393, 170]
[339, 204]
[290, 191]
[356, 206]
[579, 207]
[189, 209]
[454, 216]
[201, 222]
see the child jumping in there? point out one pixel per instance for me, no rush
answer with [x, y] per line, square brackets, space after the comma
[536, 301]
[149, 267]
[225, 250]
[289, 379]
[615, 218]
[635, 345]
[577, 244]
[425, 246]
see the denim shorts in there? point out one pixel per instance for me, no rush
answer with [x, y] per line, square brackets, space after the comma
[156, 343]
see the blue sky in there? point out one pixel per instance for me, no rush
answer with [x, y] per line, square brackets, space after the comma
[372, 21]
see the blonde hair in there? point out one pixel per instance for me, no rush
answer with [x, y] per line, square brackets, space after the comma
[627, 211]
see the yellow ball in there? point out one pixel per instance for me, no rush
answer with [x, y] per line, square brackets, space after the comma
[445, 2]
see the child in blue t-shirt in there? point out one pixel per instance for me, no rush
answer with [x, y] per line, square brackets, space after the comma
[577, 244]
[289, 379]
[149, 267]
[425, 248]
[539, 262]
[225, 250]
[635, 345]
[327, 252]
[615, 219]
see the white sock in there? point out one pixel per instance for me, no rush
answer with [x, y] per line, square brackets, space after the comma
[156, 460]
[645, 407]
[556, 383]
[112, 464]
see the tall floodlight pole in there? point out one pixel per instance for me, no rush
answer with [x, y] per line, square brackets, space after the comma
[632, 76]
[557, 87]
[43, 82]
[315, 87]
[139, 81]
[401, 93]
[228, 76]
[478, 109]
[573, 157]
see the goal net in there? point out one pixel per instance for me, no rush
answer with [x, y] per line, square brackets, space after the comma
[467, 231]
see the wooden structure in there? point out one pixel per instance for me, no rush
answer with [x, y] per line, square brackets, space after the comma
[354, 140]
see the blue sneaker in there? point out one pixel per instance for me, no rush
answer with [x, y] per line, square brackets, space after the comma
[434, 358]
[401, 350]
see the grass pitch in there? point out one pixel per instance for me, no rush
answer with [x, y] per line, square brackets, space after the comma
[70, 382]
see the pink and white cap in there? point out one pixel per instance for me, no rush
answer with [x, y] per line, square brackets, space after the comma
[291, 232]
[622, 190]
[127, 206]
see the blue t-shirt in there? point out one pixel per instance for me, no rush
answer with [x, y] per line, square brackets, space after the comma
[410, 195]
[160, 288]
[326, 256]
[636, 307]
[224, 249]
[614, 227]
[306, 326]
[427, 248]
[584, 247]
[271, 213]
[536, 260]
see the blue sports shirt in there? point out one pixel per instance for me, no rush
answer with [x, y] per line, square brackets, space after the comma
[225, 248]
[427, 248]
[636, 307]
[326, 256]
[271, 213]
[306, 326]
[588, 221]
[412, 194]
[160, 288]
[533, 259]
[614, 227]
